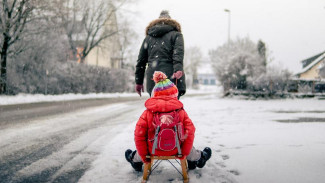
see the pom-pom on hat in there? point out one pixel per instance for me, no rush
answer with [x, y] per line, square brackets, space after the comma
[163, 87]
[164, 14]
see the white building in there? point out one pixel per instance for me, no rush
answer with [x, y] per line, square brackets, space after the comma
[206, 75]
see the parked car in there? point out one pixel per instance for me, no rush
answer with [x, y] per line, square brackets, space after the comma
[320, 87]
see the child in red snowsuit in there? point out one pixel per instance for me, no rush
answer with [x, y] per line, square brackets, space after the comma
[164, 99]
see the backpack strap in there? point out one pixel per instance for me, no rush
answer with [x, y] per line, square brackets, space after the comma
[156, 140]
[177, 141]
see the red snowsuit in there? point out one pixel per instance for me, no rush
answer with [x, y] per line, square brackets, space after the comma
[145, 130]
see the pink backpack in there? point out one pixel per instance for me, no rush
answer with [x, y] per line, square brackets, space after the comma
[169, 132]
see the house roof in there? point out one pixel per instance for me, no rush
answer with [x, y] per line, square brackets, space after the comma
[310, 62]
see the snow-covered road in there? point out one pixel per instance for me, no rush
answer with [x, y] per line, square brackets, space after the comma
[60, 148]
[261, 141]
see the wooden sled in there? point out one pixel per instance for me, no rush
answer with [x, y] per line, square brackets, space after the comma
[149, 167]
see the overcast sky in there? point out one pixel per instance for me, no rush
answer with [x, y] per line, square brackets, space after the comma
[292, 29]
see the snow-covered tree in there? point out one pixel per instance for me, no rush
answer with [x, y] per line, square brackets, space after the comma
[192, 60]
[127, 38]
[235, 62]
[261, 48]
[41, 65]
[14, 16]
[27, 71]
[86, 23]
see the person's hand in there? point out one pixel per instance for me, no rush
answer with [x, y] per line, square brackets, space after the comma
[138, 89]
[177, 75]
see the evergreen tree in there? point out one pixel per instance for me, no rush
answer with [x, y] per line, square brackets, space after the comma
[261, 48]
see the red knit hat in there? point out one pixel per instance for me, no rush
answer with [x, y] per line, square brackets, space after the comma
[163, 87]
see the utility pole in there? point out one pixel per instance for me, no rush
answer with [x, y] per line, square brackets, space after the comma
[46, 80]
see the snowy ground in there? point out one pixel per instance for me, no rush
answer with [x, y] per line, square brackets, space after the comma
[248, 144]
[263, 141]
[257, 148]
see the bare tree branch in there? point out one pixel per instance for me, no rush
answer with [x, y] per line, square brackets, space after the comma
[86, 24]
[13, 18]
[98, 42]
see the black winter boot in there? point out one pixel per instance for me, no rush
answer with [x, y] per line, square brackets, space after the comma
[137, 166]
[191, 164]
[205, 156]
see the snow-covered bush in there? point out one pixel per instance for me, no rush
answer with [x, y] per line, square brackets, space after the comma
[274, 79]
[47, 71]
[37, 62]
[69, 77]
[237, 61]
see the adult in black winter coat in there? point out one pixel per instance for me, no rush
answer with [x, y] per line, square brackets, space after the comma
[161, 50]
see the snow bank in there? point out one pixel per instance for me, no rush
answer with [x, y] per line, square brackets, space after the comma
[30, 98]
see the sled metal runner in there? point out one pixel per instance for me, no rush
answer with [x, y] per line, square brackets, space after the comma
[150, 167]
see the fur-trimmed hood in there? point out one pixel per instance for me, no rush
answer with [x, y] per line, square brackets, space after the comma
[161, 26]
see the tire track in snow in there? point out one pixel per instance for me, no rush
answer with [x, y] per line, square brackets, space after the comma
[58, 150]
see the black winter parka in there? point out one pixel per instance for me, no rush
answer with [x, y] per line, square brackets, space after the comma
[161, 50]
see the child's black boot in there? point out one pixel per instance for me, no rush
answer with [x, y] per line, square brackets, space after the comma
[205, 156]
[129, 157]
[191, 165]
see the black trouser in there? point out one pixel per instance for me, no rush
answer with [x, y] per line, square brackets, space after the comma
[180, 93]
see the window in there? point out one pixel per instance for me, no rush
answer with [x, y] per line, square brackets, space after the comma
[206, 82]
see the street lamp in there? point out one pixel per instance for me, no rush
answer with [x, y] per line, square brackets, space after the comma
[228, 11]
[46, 80]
